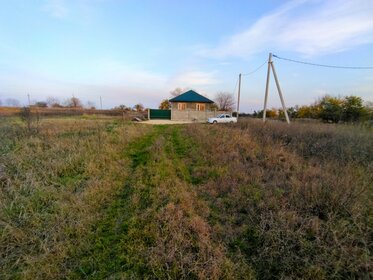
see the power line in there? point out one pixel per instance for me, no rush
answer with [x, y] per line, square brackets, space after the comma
[235, 86]
[323, 65]
[257, 69]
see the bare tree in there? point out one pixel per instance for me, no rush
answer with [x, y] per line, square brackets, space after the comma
[53, 102]
[139, 107]
[74, 102]
[12, 102]
[177, 91]
[225, 101]
[122, 107]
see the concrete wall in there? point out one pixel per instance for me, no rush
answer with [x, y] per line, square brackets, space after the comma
[193, 115]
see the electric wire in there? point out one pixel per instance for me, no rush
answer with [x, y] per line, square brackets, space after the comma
[235, 86]
[257, 69]
[324, 65]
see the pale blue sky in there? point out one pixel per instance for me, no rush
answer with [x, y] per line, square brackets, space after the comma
[131, 51]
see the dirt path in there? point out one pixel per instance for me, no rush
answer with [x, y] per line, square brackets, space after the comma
[165, 122]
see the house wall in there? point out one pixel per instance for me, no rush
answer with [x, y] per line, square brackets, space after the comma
[193, 115]
[190, 105]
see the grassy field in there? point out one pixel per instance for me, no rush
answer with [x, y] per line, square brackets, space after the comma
[89, 198]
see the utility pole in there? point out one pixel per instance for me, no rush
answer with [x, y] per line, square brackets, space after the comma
[29, 102]
[267, 87]
[239, 93]
[101, 102]
[271, 66]
[280, 93]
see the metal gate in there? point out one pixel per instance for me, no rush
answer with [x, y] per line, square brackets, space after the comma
[159, 114]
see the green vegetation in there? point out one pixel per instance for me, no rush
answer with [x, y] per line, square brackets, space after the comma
[100, 198]
[329, 109]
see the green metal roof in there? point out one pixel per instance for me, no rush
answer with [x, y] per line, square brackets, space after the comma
[191, 96]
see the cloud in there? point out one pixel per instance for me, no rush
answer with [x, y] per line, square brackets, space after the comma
[115, 72]
[56, 8]
[194, 79]
[309, 27]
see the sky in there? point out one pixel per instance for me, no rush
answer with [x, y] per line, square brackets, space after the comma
[130, 51]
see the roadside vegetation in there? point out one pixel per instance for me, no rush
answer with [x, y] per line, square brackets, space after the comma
[347, 109]
[102, 198]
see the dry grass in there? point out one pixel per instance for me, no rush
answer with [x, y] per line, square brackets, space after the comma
[99, 198]
[286, 208]
[53, 186]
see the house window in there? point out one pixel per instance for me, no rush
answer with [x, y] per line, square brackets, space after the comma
[181, 106]
[200, 107]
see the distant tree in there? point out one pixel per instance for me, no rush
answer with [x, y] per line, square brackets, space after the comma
[74, 102]
[139, 107]
[123, 107]
[12, 102]
[53, 102]
[270, 113]
[41, 104]
[369, 110]
[311, 111]
[331, 109]
[353, 109]
[292, 112]
[224, 101]
[177, 91]
[165, 105]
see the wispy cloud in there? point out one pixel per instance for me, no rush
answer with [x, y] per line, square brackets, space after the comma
[194, 79]
[309, 27]
[56, 8]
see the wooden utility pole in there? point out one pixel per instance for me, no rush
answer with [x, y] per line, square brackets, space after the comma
[239, 93]
[271, 66]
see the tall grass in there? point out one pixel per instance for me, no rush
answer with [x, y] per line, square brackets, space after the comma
[287, 209]
[100, 198]
[53, 186]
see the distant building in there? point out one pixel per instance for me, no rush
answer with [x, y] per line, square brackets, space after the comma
[192, 106]
[191, 100]
[188, 106]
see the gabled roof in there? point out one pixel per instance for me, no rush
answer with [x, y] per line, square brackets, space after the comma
[191, 96]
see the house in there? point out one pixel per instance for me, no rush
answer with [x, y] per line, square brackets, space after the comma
[191, 100]
[192, 106]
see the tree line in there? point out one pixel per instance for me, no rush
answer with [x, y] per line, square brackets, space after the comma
[329, 109]
[73, 102]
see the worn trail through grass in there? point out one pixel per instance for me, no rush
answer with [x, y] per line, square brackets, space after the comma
[103, 199]
[156, 227]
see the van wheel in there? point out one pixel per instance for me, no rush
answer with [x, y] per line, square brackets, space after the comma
[214, 122]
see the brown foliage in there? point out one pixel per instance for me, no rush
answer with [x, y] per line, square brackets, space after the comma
[297, 214]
